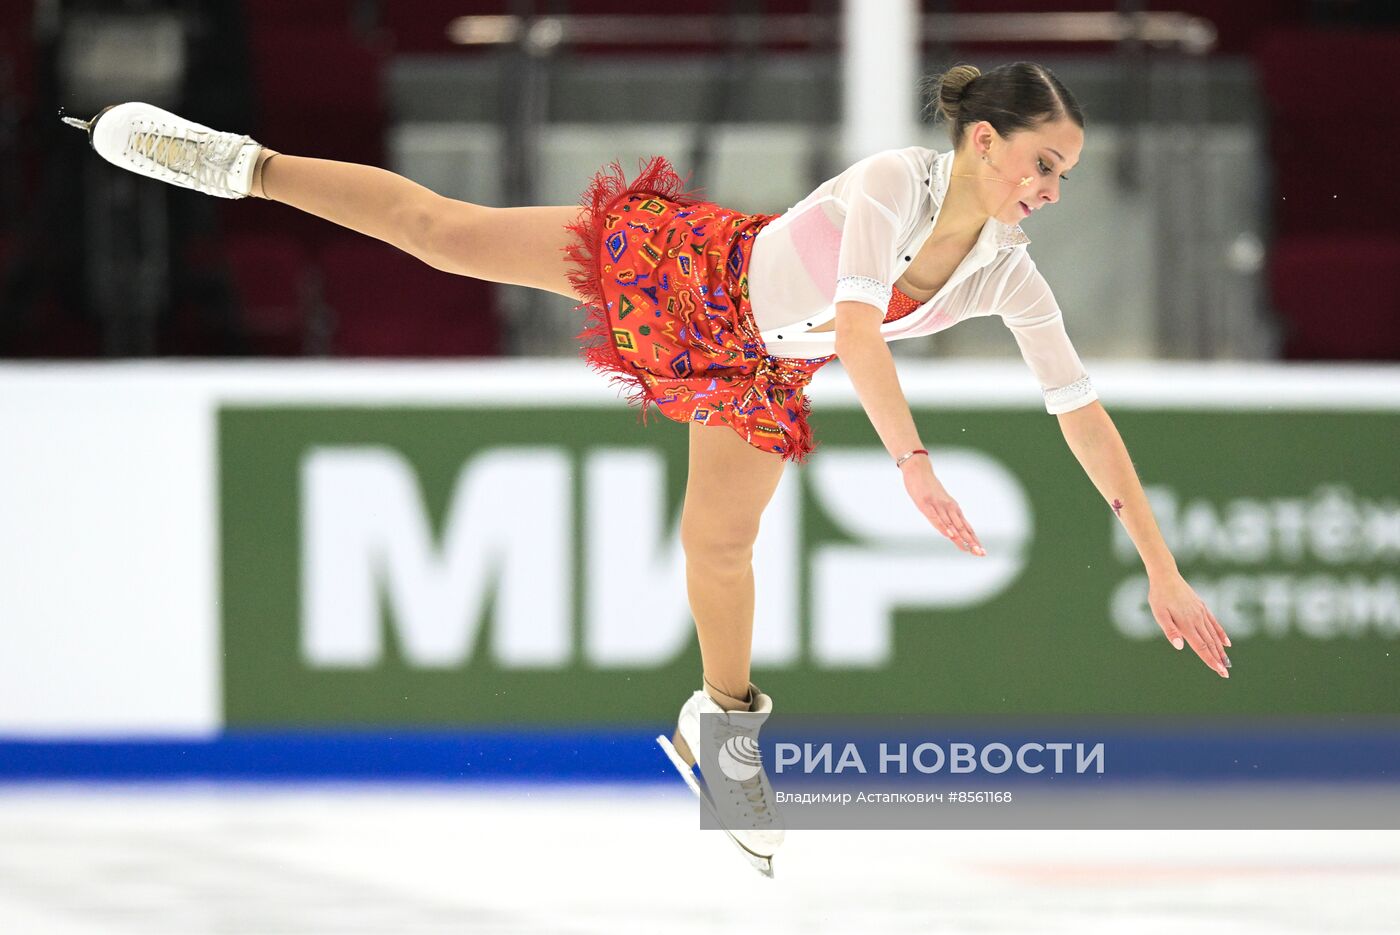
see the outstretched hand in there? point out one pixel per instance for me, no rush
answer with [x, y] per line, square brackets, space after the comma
[941, 509]
[1183, 616]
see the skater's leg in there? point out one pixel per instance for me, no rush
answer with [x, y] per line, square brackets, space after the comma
[520, 246]
[728, 485]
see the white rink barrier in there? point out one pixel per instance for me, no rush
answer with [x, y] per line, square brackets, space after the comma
[108, 514]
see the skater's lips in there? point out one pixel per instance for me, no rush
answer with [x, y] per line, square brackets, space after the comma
[1026, 210]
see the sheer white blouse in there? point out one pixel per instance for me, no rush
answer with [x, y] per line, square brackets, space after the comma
[853, 237]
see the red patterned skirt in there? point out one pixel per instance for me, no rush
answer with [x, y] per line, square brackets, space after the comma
[665, 276]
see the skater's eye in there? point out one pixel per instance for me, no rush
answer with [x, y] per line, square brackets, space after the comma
[1045, 170]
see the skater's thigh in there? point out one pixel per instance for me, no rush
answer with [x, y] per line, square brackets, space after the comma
[520, 246]
[728, 486]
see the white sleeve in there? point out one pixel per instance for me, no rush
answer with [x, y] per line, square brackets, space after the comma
[1029, 309]
[873, 190]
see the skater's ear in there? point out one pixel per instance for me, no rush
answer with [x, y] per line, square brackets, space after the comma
[983, 138]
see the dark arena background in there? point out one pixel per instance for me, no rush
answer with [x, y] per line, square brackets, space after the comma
[338, 595]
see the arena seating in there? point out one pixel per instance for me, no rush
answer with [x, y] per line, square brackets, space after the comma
[18, 156]
[1312, 114]
[1338, 296]
[1334, 280]
[271, 277]
[16, 68]
[319, 68]
[385, 303]
[319, 92]
[265, 16]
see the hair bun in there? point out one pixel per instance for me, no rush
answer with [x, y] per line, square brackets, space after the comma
[1011, 97]
[952, 85]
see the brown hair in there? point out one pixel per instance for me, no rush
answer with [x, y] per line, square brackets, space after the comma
[1009, 97]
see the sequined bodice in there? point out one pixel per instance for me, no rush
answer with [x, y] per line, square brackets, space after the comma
[900, 305]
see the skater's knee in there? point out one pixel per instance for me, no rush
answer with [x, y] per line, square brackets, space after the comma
[445, 233]
[718, 545]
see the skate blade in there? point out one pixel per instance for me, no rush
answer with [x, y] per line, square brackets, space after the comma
[759, 862]
[84, 125]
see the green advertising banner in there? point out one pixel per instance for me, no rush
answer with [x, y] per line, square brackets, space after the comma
[443, 565]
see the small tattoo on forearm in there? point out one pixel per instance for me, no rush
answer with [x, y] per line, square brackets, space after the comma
[1118, 508]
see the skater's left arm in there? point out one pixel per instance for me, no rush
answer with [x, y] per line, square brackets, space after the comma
[1095, 441]
[1028, 307]
[1179, 611]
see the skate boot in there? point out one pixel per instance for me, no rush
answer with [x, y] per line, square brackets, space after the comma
[736, 791]
[156, 143]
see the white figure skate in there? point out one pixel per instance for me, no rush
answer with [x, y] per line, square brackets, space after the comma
[743, 803]
[158, 144]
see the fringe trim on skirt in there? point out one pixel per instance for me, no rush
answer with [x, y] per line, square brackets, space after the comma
[609, 186]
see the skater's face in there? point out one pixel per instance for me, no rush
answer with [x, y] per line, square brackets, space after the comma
[1035, 162]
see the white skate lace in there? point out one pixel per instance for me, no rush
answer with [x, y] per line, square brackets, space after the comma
[205, 158]
[754, 793]
[758, 803]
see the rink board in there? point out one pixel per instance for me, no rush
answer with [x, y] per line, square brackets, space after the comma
[458, 565]
[481, 547]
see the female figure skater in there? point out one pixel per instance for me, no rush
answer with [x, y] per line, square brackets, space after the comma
[720, 318]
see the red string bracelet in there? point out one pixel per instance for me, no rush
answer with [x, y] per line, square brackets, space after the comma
[899, 462]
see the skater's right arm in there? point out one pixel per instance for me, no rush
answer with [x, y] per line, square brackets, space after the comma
[867, 360]
[367, 199]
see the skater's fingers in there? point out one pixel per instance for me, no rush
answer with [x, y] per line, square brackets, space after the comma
[1208, 633]
[965, 536]
[955, 529]
[1200, 642]
[1199, 647]
[1216, 637]
[937, 514]
[1169, 627]
[1219, 630]
[969, 537]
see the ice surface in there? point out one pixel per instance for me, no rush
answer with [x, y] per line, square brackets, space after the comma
[560, 859]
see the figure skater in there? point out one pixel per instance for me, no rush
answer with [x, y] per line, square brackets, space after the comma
[719, 318]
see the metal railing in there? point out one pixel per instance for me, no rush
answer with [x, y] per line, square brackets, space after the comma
[542, 34]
